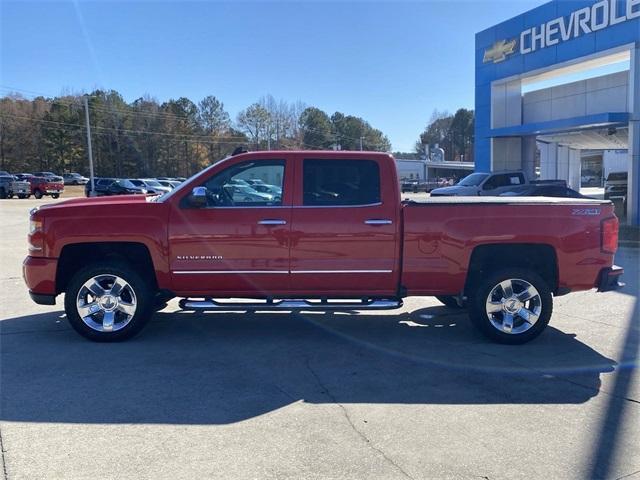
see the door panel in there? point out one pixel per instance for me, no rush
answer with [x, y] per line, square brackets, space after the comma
[240, 244]
[342, 250]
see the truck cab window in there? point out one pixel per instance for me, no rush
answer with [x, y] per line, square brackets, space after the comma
[340, 182]
[248, 184]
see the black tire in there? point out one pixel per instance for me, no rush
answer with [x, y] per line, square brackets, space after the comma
[3, 193]
[145, 297]
[478, 311]
[451, 301]
[38, 194]
[55, 195]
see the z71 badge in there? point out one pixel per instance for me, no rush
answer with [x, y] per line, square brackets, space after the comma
[586, 211]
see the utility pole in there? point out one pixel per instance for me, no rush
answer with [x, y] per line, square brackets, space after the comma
[92, 191]
[361, 138]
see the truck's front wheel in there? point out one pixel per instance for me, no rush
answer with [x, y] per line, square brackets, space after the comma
[511, 306]
[108, 302]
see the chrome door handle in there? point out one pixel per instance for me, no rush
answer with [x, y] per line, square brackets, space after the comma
[272, 222]
[378, 221]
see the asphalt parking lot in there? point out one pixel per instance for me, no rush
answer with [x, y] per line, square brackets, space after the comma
[413, 393]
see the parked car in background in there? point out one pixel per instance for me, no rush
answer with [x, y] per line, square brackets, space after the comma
[152, 186]
[589, 178]
[74, 179]
[616, 185]
[168, 183]
[545, 190]
[268, 189]
[409, 186]
[23, 176]
[10, 186]
[478, 183]
[247, 194]
[101, 186]
[41, 186]
[124, 187]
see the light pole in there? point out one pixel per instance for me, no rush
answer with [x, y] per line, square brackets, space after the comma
[92, 190]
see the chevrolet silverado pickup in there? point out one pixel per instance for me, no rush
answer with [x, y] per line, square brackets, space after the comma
[338, 237]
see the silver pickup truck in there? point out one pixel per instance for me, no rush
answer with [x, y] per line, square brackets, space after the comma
[491, 184]
[10, 186]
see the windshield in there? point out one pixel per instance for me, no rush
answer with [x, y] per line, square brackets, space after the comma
[473, 180]
[153, 183]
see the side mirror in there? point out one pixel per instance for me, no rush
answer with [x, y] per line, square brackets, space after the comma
[198, 197]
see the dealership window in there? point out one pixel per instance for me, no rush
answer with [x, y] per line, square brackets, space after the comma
[247, 184]
[340, 182]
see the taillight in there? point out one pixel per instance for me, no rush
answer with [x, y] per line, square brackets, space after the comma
[36, 235]
[609, 235]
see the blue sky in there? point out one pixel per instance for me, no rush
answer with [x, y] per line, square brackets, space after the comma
[391, 63]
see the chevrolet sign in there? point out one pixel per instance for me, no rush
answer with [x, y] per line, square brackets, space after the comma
[602, 14]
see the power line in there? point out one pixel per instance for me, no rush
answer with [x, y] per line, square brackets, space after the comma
[124, 130]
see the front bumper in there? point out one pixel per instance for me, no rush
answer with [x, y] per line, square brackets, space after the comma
[609, 279]
[39, 274]
[42, 299]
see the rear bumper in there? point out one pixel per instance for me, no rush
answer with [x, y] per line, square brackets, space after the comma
[609, 279]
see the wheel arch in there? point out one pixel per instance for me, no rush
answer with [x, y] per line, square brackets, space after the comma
[541, 258]
[77, 255]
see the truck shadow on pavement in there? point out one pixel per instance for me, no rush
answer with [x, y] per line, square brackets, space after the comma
[220, 368]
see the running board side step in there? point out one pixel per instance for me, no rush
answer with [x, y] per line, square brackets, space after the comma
[364, 304]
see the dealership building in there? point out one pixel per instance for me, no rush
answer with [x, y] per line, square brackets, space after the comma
[556, 82]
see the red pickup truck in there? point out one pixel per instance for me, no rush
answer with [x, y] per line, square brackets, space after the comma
[41, 186]
[328, 232]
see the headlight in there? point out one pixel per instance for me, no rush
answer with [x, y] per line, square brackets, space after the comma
[35, 226]
[35, 238]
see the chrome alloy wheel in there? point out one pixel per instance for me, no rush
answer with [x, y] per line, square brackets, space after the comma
[513, 306]
[106, 303]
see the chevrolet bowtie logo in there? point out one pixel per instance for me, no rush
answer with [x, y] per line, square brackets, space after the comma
[499, 51]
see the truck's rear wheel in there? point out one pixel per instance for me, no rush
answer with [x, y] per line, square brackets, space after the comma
[38, 194]
[450, 301]
[511, 306]
[55, 195]
[108, 302]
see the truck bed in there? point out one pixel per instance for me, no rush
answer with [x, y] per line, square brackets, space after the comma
[506, 201]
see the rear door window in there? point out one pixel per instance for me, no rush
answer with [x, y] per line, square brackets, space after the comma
[340, 182]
